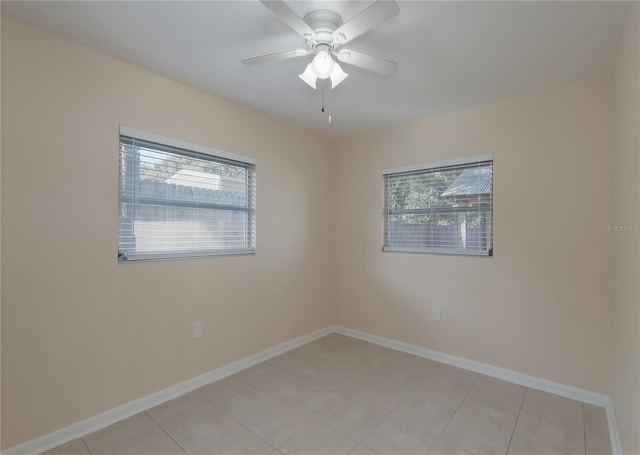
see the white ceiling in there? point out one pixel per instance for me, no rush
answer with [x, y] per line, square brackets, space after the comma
[450, 55]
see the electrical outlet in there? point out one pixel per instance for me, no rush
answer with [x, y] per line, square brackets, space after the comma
[197, 330]
[436, 313]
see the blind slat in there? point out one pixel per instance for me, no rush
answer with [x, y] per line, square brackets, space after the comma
[440, 209]
[179, 203]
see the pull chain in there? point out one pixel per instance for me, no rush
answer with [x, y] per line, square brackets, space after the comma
[322, 108]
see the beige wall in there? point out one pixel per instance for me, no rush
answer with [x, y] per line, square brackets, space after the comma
[541, 305]
[626, 244]
[82, 334]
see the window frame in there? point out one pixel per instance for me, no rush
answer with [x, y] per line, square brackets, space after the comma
[425, 169]
[191, 150]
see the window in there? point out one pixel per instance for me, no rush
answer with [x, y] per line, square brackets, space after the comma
[181, 200]
[444, 207]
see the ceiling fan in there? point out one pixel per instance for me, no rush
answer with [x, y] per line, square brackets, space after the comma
[325, 33]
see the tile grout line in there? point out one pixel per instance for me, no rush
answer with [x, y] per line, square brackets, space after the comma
[310, 381]
[165, 432]
[405, 399]
[240, 424]
[85, 445]
[584, 430]
[282, 370]
[244, 381]
[393, 408]
[526, 391]
[348, 397]
[294, 434]
[258, 436]
[456, 411]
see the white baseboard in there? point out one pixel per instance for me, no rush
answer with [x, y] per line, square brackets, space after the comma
[111, 416]
[532, 382]
[100, 421]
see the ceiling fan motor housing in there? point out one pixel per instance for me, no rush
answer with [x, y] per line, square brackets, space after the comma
[323, 23]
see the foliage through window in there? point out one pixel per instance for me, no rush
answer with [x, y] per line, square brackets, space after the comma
[180, 200]
[442, 207]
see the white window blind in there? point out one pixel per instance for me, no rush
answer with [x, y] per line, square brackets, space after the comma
[183, 201]
[444, 207]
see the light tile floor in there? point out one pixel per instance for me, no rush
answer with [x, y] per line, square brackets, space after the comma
[338, 395]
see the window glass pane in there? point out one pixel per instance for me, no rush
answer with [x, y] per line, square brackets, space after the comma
[179, 203]
[440, 210]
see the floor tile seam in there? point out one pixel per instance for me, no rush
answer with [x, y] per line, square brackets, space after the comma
[165, 432]
[388, 414]
[584, 430]
[350, 394]
[201, 395]
[489, 396]
[513, 431]
[524, 395]
[575, 428]
[554, 398]
[516, 424]
[467, 394]
[394, 364]
[184, 414]
[363, 362]
[455, 412]
[604, 434]
[441, 381]
[599, 430]
[221, 408]
[364, 445]
[259, 437]
[161, 430]
[265, 391]
[511, 411]
[240, 378]
[84, 443]
[297, 376]
[323, 387]
[222, 412]
[549, 448]
[480, 413]
[314, 420]
[277, 367]
[359, 440]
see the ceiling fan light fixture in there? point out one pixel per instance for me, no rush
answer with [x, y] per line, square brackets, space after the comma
[337, 75]
[324, 33]
[322, 64]
[309, 76]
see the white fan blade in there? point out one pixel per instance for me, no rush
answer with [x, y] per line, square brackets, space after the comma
[373, 15]
[289, 17]
[276, 56]
[368, 62]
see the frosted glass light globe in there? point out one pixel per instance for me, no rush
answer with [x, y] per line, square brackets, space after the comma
[322, 65]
